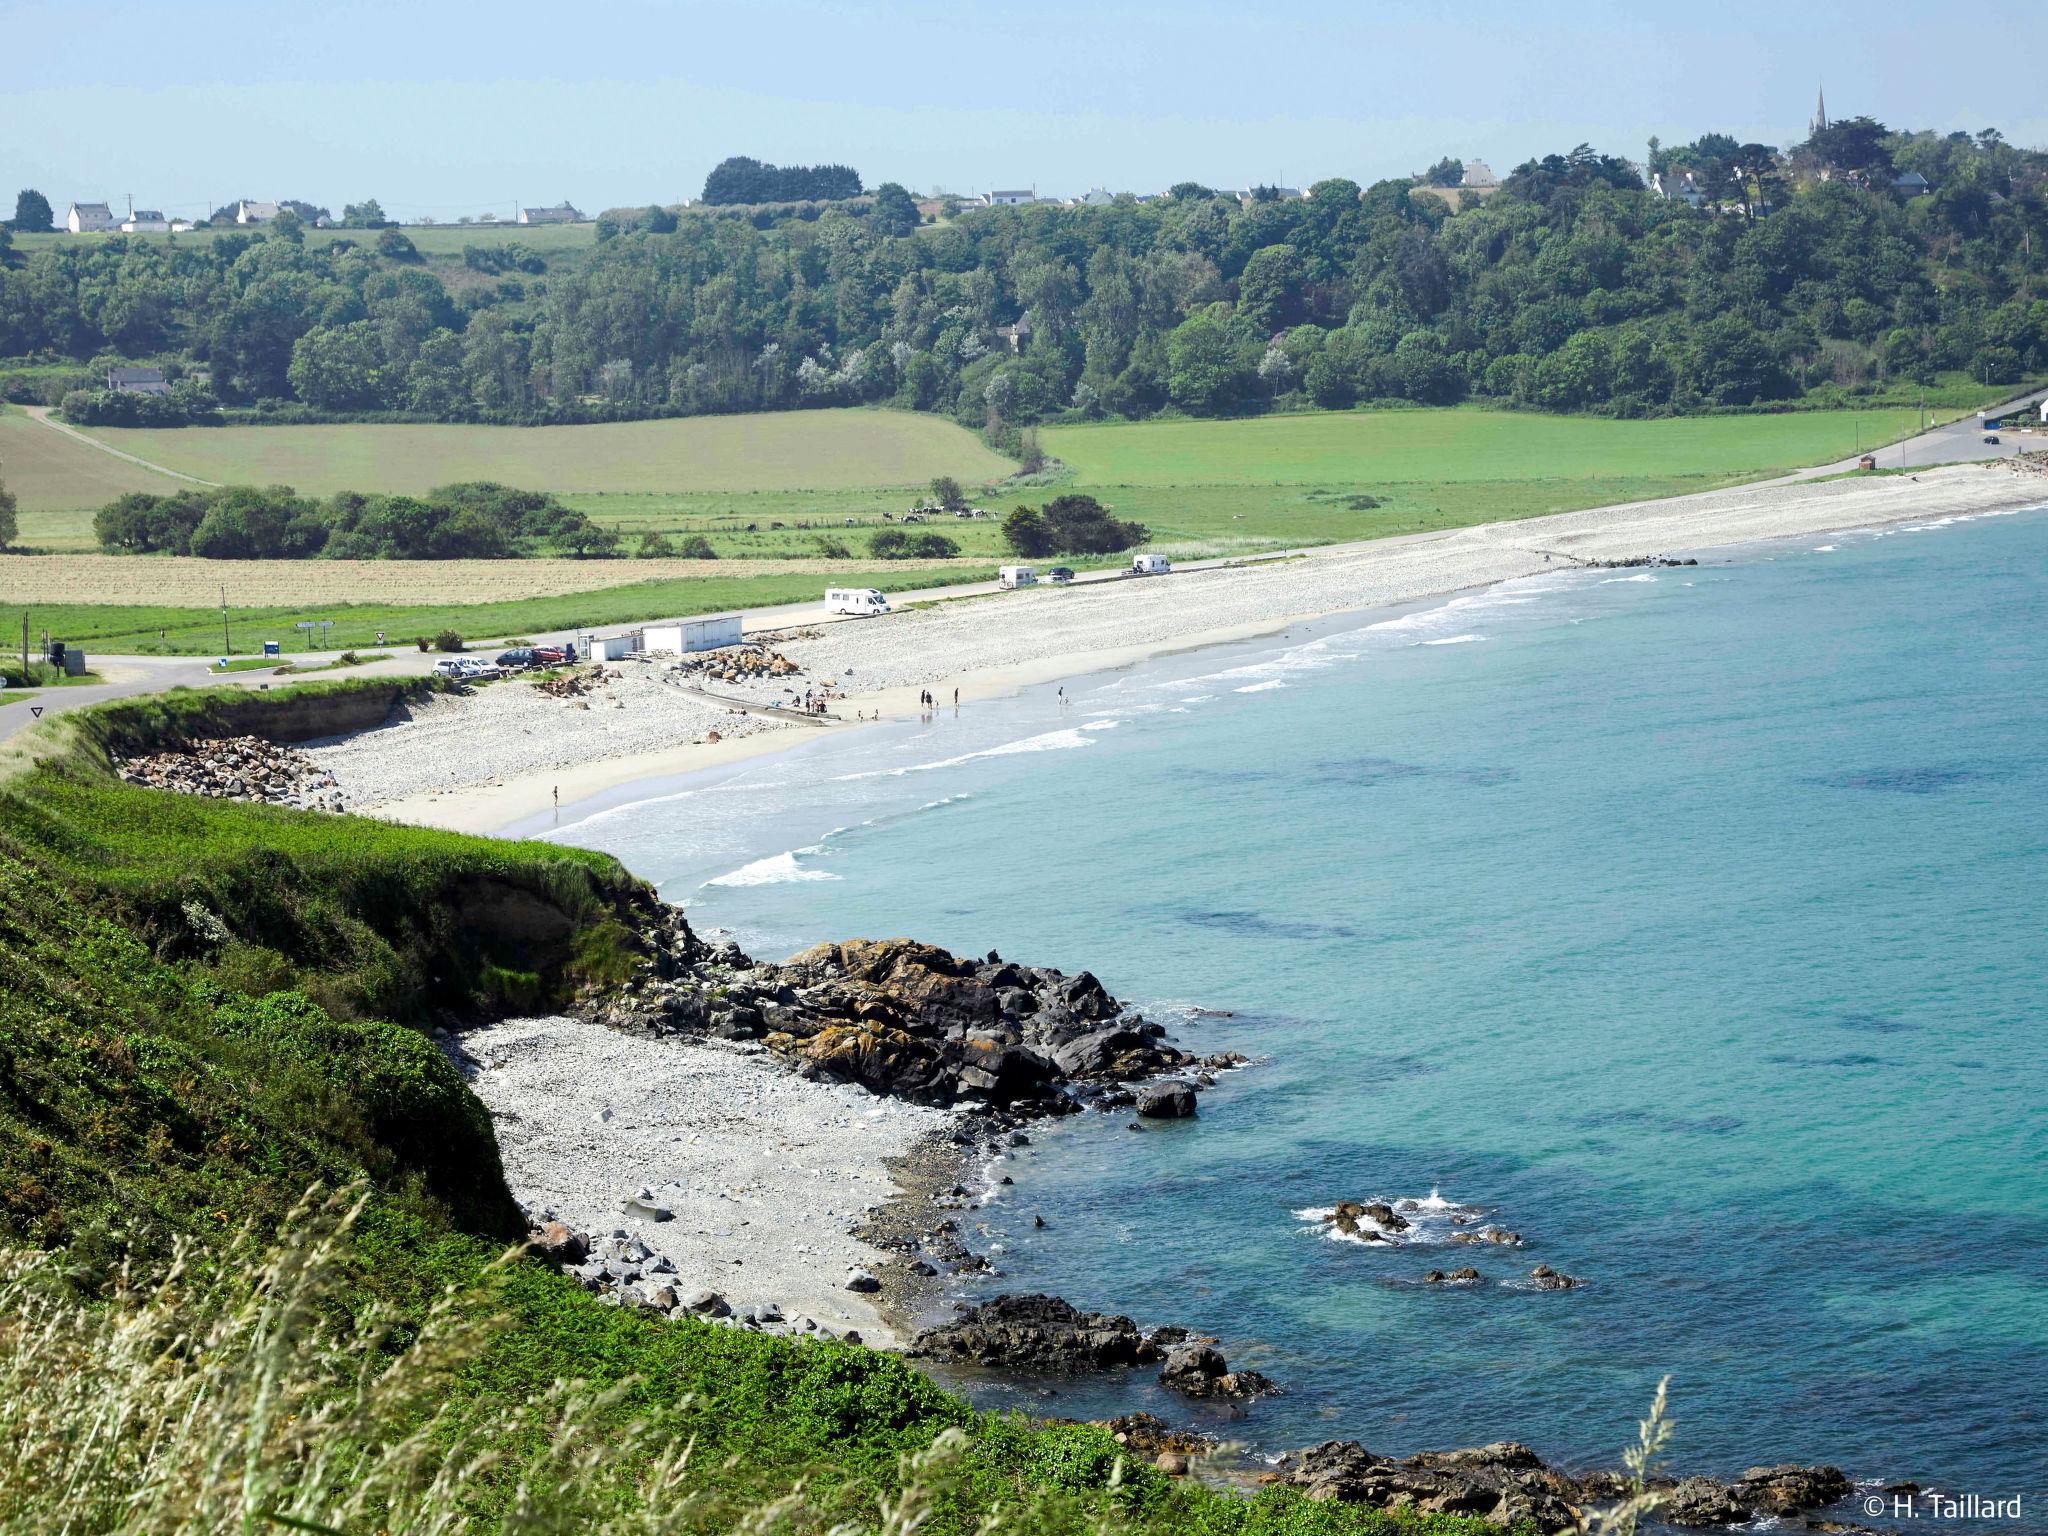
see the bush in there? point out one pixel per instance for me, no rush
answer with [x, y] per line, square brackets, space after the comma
[423, 642]
[696, 547]
[834, 549]
[933, 546]
[890, 544]
[1071, 524]
[655, 546]
[447, 640]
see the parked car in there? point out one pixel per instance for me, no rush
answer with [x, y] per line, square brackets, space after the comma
[481, 670]
[519, 657]
[1991, 439]
[1149, 565]
[1060, 575]
[552, 655]
[450, 667]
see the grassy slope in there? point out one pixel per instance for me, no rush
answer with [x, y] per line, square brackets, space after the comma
[783, 450]
[158, 1080]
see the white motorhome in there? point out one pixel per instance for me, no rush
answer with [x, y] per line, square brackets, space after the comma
[1012, 576]
[859, 601]
[1150, 565]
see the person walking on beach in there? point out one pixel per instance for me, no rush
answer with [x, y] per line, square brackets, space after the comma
[956, 698]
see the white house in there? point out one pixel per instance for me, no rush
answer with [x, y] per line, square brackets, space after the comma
[255, 213]
[1011, 199]
[89, 218]
[1478, 176]
[137, 381]
[561, 213]
[145, 221]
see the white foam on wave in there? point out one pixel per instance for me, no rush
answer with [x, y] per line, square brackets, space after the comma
[1198, 698]
[1102, 725]
[1432, 1221]
[776, 869]
[1051, 741]
[1612, 580]
[1266, 687]
[1453, 640]
[1818, 549]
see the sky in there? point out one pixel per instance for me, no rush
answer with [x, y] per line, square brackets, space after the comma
[442, 109]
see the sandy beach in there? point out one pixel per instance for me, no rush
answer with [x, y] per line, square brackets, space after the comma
[507, 754]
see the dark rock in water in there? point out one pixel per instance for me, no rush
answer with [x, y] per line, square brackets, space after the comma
[1148, 1435]
[1702, 1501]
[1036, 1332]
[1434, 1277]
[1166, 1101]
[1463, 1276]
[1501, 1484]
[1199, 1370]
[1368, 1223]
[1787, 1489]
[1547, 1279]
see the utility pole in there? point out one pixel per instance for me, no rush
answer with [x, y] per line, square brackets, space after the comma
[226, 650]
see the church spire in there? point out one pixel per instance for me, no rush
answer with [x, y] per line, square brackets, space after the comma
[1819, 122]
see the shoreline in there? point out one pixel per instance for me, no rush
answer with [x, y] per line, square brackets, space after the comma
[997, 646]
[937, 1177]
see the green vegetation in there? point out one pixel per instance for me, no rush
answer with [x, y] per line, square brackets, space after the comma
[739, 179]
[133, 630]
[211, 1007]
[726, 454]
[48, 471]
[476, 520]
[1574, 287]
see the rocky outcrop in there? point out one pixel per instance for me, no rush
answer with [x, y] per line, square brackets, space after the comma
[1507, 1482]
[906, 1019]
[1039, 1333]
[1368, 1222]
[1046, 1334]
[237, 768]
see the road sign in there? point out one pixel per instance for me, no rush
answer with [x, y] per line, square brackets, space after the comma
[36, 710]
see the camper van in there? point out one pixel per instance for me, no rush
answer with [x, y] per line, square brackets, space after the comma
[859, 601]
[1013, 576]
[1149, 565]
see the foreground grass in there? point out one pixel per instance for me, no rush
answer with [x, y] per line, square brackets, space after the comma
[212, 1007]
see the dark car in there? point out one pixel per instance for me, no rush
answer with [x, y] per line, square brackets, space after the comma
[1060, 575]
[1991, 439]
[551, 655]
[518, 656]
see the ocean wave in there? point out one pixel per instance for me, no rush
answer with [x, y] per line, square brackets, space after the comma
[1818, 549]
[1051, 741]
[1266, 687]
[776, 869]
[1431, 1222]
[1452, 640]
[1102, 725]
[1613, 580]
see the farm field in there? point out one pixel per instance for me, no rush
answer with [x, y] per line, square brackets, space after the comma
[785, 450]
[51, 473]
[148, 629]
[1467, 444]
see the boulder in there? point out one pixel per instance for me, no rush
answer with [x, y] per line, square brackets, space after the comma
[1199, 1370]
[862, 1280]
[1788, 1489]
[1701, 1501]
[1037, 1332]
[555, 1241]
[1166, 1101]
[1545, 1278]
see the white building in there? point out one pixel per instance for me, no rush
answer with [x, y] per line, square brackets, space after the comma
[89, 218]
[255, 213]
[561, 213]
[692, 635]
[1478, 176]
[145, 221]
[1011, 199]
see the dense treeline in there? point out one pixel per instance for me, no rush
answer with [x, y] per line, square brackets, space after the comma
[476, 520]
[744, 180]
[1573, 288]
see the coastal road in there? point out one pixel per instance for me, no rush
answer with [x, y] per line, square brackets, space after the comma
[1959, 442]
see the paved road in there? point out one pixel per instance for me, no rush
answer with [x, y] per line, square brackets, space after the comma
[127, 676]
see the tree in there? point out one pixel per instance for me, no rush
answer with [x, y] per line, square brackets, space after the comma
[338, 368]
[1447, 172]
[946, 493]
[32, 214]
[288, 226]
[1203, 374]
[1269, 291]
[393, 245]
[894, 211]
[9, 525]
[1081, 525]
[1026, 534]
[1853, 148]
[368, 214]
[890, 544]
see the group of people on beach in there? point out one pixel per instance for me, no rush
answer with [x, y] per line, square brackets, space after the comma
[927, 702]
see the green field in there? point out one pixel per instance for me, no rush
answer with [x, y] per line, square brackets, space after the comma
[784, 450]
[50, 473]
[1367, 447]
[129, 630]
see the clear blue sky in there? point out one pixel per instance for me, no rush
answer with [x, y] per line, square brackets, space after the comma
[447, 109]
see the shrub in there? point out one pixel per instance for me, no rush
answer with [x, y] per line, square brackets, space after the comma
[932, 546]
[447, 640]
[890, 544]
[834, 549]
[423, 642]
[696, 547]
[655, 546]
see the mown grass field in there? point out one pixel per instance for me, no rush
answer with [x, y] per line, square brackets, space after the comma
[59, 481]
[1362, 448]
[777, 451]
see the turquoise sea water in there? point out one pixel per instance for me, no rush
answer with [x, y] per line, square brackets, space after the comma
[1690, 923]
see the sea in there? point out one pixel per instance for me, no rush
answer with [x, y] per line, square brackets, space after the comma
[1691, 923]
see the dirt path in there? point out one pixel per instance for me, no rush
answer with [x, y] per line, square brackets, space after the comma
[41, 413]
